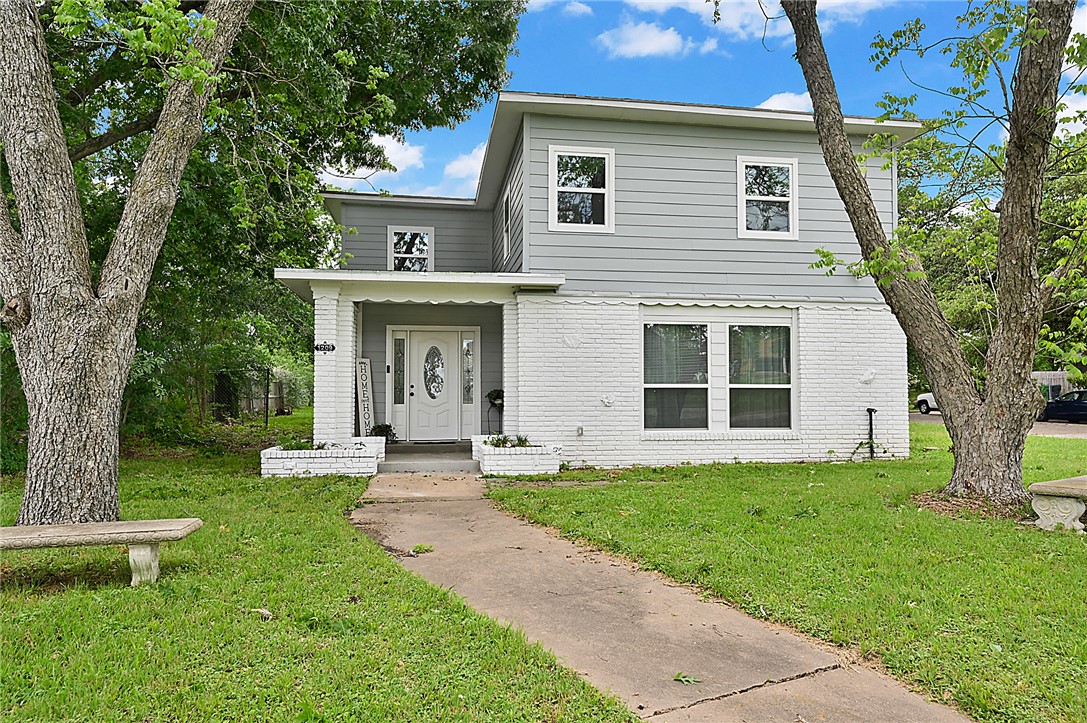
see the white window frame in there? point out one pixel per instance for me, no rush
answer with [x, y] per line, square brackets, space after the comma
[506, 221]
[791, 386]
[708, 386]
[553, 153]
[742, 162]
[392, 229]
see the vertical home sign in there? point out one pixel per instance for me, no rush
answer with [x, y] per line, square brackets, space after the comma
[365, 394]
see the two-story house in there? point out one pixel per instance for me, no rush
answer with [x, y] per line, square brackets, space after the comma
[636, 276]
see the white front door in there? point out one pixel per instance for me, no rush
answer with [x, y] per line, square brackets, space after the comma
[433, 385]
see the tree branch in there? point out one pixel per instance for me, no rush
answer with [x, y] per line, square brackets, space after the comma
[1031, 125]
[100, 142]
[51, 220]
[906, 290]
[142, 228]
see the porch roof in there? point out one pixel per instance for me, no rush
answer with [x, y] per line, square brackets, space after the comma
[434, 287]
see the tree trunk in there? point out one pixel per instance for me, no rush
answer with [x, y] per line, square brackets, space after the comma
[988, 458]
[988, 428]
[73, 342]
[74, 357]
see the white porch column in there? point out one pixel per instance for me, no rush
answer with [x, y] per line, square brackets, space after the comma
[334, 327]
[510, 355]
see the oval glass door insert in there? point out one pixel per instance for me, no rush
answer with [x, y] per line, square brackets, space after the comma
[433, 372]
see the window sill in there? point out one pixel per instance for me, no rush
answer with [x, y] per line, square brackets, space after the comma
[708, 436]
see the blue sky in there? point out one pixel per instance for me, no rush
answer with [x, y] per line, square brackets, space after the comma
[670, 50]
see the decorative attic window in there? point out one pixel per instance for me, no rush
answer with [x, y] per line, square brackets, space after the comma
[581, 194]
[411, 248]
[766, 188]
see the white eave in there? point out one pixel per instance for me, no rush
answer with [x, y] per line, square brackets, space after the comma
[435, 287]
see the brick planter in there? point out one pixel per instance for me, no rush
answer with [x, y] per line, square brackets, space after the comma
[357, 460]
[543, 459]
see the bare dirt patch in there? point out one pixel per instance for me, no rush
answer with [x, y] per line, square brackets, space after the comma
[972, 507]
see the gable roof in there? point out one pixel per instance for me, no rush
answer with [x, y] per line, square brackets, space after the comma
[512, 106]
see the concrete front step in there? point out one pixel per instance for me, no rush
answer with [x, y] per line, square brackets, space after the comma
[434, 464]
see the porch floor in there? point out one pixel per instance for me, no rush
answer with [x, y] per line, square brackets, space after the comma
[428, 457]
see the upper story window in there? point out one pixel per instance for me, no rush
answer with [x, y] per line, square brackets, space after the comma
[411, 248]
[581, 194]
[767, 197]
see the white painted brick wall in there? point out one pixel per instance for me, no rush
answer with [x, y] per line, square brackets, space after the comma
[334, 320]
[509, 366]
[277, 462]
[571, 353]
[541, 459]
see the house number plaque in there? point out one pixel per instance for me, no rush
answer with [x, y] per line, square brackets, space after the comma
[324, 347]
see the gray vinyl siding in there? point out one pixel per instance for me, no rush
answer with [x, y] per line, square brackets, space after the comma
[461, 235]
[515, 182]
[376, 317]
[676, 214]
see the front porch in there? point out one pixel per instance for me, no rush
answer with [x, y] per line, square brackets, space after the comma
[415, 350]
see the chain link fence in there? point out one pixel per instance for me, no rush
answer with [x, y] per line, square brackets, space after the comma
[245, 395]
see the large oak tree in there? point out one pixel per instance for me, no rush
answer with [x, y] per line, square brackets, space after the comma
[988, 419]
[116, 96]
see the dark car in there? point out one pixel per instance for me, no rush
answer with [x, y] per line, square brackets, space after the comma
[1071, 406]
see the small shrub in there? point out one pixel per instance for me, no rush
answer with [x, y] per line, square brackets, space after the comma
[499, 440]
[522, 441]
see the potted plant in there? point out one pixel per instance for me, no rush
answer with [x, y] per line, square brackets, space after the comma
[495, 398]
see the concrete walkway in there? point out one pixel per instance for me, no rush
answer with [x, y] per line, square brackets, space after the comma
[626, 630]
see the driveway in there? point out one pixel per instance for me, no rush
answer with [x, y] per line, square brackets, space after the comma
[1068, 430]
[628, 631]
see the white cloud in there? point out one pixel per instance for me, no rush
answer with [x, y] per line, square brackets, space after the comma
[576, 9]
[535, 6]
[788, 101]
[642, 40]
[404, 156]
[755, 19]
[1075, 104]
[467, 165]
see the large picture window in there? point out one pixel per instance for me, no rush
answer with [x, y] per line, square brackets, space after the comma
[411, 248]
[760, 377]
[676, 376]
[767, 197]
[581, 196]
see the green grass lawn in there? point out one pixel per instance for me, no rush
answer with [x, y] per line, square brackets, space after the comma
[352, 636]
[988, 614]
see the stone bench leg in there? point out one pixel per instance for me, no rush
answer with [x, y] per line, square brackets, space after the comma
[1054, 512]
[144, 561]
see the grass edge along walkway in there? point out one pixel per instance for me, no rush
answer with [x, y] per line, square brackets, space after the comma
[988, 615]
[277, 609]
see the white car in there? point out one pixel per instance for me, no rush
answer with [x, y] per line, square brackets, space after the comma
[926, 403]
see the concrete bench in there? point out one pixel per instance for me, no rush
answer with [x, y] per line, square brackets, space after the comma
[1060, 503]
[142, 537]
